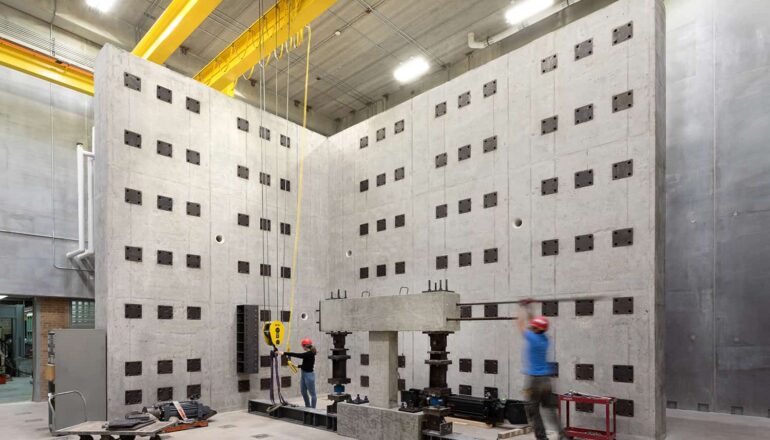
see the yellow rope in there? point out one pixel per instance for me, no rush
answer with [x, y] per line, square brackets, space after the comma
[299, 194]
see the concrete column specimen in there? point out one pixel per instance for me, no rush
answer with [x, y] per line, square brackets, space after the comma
[383, 353]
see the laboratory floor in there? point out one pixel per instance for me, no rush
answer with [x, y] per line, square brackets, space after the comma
[28, 420]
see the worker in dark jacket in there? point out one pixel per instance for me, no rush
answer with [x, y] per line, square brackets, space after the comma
[307, 378]
[538, 371]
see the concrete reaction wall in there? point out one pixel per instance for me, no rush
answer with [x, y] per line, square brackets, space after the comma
[40, 124]
[457, 184]
[200, 243]
[717, 246]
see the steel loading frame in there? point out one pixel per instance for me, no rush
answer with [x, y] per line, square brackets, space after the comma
[436, 313]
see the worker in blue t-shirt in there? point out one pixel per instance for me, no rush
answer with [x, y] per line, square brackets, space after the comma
[538, 370]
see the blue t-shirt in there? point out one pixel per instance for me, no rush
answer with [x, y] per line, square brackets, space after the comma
[535, 352]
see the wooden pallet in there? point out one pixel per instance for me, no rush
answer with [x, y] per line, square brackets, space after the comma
[185, 426]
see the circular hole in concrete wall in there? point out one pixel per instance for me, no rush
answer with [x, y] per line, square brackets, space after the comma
[517, 223]
[303, 316]
[349, 253]
[219, 239]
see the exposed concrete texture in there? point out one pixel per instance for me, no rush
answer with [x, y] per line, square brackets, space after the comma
[383, 357]
[40, 124]
[508, 218]
[364, 422]
[221, 282]
[29, 421]
[427, 312]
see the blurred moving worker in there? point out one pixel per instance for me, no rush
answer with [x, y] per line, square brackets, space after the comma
[307, 379]
[537, 388]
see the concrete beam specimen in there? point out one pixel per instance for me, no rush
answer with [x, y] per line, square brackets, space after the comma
[422, 312]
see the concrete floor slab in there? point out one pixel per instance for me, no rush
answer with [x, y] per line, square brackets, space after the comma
[29, 421]
[18, 389]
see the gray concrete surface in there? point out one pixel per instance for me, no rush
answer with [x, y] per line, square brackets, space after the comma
[40, 123]
[365, 422]
[333, 251]
[28, 421]
[218, 286]
[392, 313]
[522, 217]
[383, 357]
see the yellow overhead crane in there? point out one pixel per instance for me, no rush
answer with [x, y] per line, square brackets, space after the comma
[45, 67]
[286, 19]
[278, 24]
[174, 25]
[168, 32]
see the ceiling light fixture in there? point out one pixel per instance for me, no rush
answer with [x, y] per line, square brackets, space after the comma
[338, 32]
[525, 9]
[411, 69]
[101, 5]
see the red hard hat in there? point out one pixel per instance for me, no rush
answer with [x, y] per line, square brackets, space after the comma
[307, 341]
[540, 323]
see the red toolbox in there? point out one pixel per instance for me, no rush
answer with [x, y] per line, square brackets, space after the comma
[610, 428]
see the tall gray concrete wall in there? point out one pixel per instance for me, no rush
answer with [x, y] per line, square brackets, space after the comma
[499, 151]
[193, 350]
[40, 124]
[717, 247]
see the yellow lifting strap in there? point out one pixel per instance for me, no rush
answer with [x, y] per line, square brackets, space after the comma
[299, 201]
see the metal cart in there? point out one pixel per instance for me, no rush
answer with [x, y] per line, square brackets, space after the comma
[88, 430]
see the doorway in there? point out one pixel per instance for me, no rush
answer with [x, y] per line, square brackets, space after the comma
[17, 349]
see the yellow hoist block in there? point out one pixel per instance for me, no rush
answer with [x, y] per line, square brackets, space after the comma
[273, 332]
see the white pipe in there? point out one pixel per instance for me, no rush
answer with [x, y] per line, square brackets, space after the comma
[81, 204]
[90, 157]
[89, 250]
[90, 186]
[475, 44]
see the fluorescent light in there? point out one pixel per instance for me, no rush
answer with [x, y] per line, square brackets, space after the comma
[525, 9]
[2, 297]
[411, 69]
[101, 5]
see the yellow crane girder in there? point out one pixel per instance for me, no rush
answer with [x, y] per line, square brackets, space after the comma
[270, 31]
[45, 67]
[174, 25]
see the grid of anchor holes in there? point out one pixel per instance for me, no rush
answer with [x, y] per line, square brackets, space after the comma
[464, 152]
[620, 373]
[193, 105]
[382, 178]
[164, 203]
[164, 257]
[623, 100]
[264, 383]
[164, 366]
[583, 243]
[381, 133]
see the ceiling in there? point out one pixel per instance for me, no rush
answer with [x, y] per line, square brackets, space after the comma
[349, 72]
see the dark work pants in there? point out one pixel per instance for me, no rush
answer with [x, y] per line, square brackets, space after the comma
[538, 392]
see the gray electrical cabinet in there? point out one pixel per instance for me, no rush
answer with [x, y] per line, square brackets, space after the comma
[79, 359]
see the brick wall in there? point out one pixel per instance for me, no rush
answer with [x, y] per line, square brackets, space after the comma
[53, 313]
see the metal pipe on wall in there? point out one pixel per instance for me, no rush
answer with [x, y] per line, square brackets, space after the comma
[475, 44]
[81, 203]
